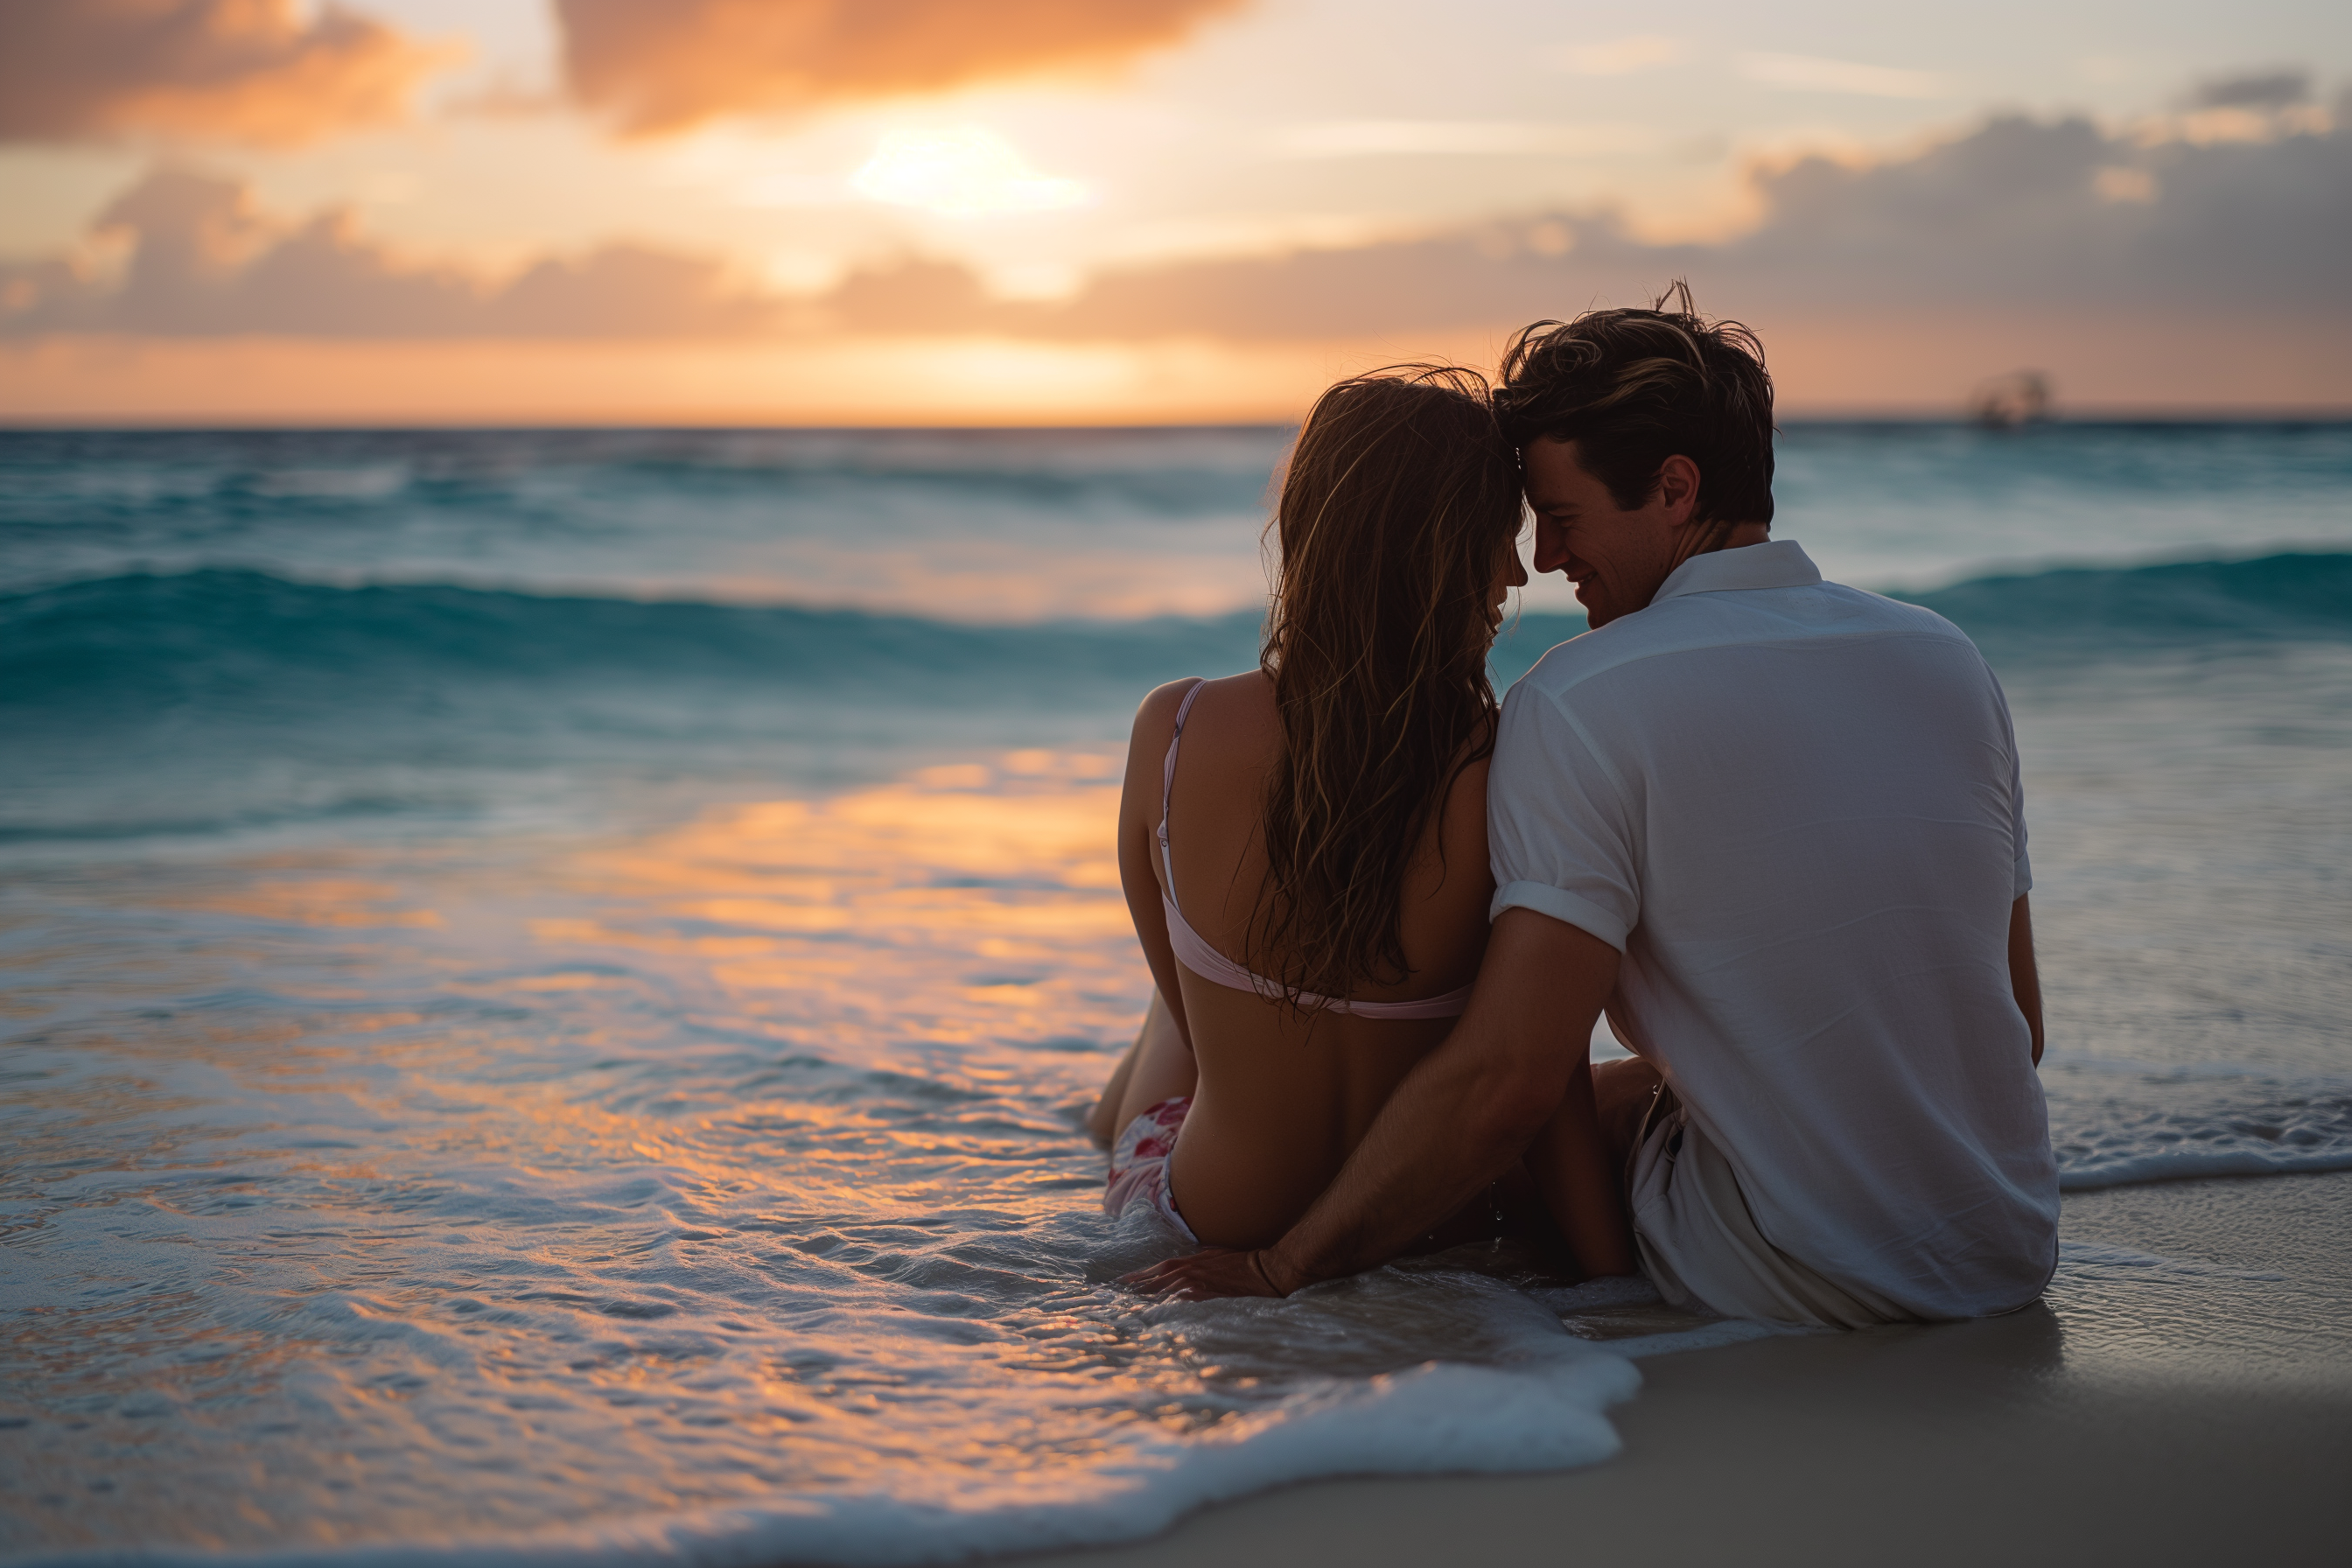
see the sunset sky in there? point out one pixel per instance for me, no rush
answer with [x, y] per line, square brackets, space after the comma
[1139, 210]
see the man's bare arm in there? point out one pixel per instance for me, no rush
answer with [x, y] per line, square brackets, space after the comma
[1457, 1121]
[2024, 977]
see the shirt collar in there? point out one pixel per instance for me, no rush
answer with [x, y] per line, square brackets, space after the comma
[1775, 564]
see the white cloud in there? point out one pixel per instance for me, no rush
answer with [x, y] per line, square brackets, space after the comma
[1224, 237]
[1806, 73]
[1622, 57]
[2210, 127]
[1461, 138]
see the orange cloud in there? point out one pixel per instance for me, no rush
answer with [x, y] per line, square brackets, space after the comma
[664, 64]
[203, 260]
[2215, 283]
[234, 71]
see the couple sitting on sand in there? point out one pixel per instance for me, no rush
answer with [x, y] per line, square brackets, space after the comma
[1771, 825]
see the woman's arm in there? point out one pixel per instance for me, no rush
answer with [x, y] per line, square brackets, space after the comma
[1160, 1063]
[1158, 1067]
[1138, 842]
[1102, 1122]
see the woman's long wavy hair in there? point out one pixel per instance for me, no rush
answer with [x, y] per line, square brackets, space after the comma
[1399, 500]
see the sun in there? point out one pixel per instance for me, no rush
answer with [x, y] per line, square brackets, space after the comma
[964, 171]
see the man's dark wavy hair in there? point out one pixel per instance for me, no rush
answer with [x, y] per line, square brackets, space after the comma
[1636, 387]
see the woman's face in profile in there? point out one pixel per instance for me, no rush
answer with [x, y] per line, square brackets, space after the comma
[1510, 573]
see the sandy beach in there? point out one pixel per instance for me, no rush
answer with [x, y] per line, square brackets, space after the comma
[2141, 1415]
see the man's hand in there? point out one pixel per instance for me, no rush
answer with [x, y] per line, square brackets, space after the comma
[1212, 1272]
[1459, 1119]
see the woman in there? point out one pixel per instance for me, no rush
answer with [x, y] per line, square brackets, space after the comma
[1304, 846]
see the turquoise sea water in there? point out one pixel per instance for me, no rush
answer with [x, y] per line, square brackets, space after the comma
[547, 974]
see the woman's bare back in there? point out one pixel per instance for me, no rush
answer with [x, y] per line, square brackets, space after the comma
[1282, 1094]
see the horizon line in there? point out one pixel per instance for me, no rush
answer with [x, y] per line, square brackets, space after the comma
[2087, 416]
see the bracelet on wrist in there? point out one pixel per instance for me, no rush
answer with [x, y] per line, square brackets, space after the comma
[1257, 1261]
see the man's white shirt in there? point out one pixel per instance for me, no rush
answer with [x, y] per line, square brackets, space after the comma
[1794, 807]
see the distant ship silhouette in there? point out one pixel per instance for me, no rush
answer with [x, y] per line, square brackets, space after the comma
[2006, 402]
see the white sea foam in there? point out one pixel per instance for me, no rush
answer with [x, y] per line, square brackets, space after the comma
[1539, 1414]
[2194, 1164]
[2116, 1124]
[2081, 1260]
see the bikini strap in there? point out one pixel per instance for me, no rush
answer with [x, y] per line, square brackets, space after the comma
[1194, 951]
[1168, 785]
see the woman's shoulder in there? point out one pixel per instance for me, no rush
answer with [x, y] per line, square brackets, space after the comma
[1465, 796]
[1226, 716]
[1247, 693]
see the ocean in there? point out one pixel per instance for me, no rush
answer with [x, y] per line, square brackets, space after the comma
[551, 977]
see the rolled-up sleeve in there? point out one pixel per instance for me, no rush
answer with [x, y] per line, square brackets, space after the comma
[1559, 823]
[2020, 877]
[2021, 867]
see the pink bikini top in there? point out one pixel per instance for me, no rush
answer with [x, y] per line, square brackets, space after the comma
[1197, 955]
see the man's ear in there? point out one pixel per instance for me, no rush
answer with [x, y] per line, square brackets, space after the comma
[1677, 488]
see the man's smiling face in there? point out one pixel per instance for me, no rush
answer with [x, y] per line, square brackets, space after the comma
[1616, 558]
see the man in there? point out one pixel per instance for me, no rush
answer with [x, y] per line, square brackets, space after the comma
[1774, 825]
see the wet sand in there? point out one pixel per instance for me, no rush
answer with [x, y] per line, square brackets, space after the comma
[2141, 1416]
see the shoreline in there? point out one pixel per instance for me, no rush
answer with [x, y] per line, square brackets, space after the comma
[2183, 1414]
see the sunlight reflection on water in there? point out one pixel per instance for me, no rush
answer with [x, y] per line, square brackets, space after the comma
[444, 1194]
[718, 1190]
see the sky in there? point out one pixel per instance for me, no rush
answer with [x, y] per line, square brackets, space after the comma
[1133, 211]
